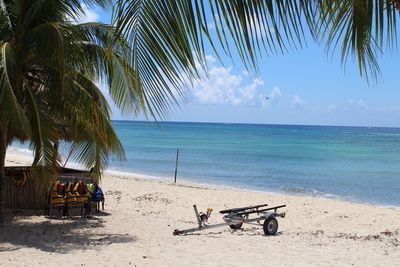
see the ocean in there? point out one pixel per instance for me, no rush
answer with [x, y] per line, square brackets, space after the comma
[359, 164]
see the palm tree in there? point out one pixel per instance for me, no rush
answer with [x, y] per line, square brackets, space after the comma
[48, 68]
[362, 28]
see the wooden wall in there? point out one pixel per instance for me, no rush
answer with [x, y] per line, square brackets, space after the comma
[29, 196]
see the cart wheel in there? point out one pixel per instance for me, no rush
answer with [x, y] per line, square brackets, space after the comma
[270, 226]
[236, 226]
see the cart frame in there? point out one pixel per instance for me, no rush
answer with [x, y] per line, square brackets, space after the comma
[237, 216]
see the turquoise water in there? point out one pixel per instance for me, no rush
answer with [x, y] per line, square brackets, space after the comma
[355, 163]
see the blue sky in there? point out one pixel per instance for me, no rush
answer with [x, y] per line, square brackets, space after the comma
[304, 87]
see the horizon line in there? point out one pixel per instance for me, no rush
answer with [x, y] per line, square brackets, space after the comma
[255, 123]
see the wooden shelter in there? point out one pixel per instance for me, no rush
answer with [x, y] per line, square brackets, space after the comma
[21, 190]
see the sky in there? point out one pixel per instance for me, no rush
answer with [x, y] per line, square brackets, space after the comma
[306, 87]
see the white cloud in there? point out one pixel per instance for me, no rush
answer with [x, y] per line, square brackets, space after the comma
[332, 107]
[361, 104]
[356, 104]
[260, 28]
[210, 59]
[297, 102]
[89, 15]
[211, 26]
[275, 95]
[223, 87]
[245, 73]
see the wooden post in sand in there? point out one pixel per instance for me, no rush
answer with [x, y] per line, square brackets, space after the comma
[176, 165]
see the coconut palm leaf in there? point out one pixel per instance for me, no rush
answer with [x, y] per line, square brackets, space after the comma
[93, 137]
[11, 112]
[359, 28]
[161, 50]
[168, 39]
[44, 136]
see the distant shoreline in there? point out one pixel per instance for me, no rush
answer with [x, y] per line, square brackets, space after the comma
[261, 124]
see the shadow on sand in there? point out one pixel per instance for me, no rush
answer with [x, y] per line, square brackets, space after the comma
[57, 234]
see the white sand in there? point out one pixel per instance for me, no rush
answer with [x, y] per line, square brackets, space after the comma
[136, 229]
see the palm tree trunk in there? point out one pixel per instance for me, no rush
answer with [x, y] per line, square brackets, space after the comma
[3, 149]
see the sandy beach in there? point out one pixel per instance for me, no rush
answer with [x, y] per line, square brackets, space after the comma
[140, 215]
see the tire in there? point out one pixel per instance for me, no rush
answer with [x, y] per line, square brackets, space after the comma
[270, 226]
[236, 226]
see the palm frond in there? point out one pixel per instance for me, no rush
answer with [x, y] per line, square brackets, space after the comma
[168, 39]
[162, 57]
[44, 136]
[11, 112]
[361, 28]
[93, 136]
